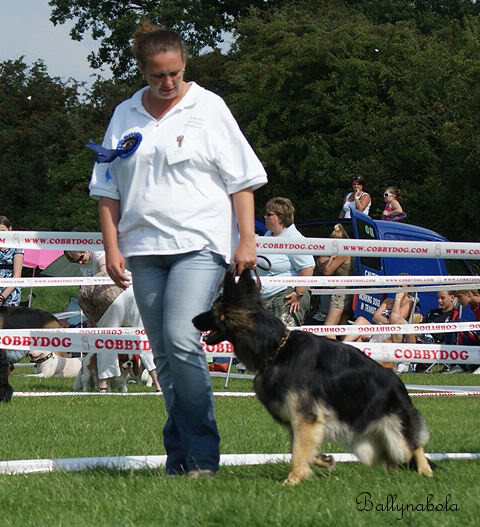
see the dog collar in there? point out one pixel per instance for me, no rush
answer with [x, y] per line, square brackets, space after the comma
[274, 355]
[39, 361]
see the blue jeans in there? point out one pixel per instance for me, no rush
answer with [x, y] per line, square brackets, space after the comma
[170, 290]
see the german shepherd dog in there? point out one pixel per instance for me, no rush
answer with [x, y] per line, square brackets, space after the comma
[20, 318]
[320, 389]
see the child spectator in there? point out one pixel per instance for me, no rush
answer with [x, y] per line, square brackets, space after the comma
[470, 297]
[393, 211]
[445, 312]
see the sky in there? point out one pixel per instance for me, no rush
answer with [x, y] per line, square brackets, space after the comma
[25, 29]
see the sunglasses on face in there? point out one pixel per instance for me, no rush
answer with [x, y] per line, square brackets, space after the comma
[388, 194]
[79, 259]
[270, 214]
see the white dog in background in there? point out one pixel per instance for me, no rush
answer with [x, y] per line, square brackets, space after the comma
[51, 364]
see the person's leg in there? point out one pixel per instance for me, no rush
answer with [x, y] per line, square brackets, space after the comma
[335, 312]
[149, 365]
[149, 275]
[360, 321]
[169, 292]
[107, 362]
[192, 286]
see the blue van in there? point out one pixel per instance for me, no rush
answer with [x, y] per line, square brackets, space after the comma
[361, 226]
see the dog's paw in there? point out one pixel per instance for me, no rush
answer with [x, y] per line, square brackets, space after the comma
[426, 470]
[294, 478]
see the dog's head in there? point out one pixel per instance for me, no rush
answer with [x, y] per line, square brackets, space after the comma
[233, 311]
[36, 356]
[129, 364]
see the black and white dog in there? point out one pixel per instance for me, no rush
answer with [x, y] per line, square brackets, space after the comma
[320, 389]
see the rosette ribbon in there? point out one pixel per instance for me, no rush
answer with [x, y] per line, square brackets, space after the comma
[125, 148]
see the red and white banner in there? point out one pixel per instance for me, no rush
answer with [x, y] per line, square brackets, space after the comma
[71, 241]
[83, 241]
[380, 248]
[389, 284]
[386, 329]
[52, 282]
[134, 340]
[426, 353]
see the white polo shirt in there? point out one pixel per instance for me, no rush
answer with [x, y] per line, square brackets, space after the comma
[284, 264]
[174, 190]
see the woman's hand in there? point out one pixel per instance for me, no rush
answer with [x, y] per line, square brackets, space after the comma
[245, 255]
[293, 300]
[115, 264]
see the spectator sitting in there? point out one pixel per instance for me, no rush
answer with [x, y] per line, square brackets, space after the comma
[109, 306]
[287, 303]
[393, 211]
[337, 266]
[445, 312]
[468, 297]
[391, 311]
[11, 264]
[90, 262]
[357, 199]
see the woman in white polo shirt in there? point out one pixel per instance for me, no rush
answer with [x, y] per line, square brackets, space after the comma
[177, 203]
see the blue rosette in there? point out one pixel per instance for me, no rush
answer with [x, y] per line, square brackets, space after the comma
[125, 148]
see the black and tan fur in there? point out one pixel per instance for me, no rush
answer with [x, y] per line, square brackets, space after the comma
[320, 389]
[20, 318]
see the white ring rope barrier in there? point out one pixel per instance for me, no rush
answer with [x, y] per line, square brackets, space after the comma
[84, 241]
[30, 466]
[390, 284]
[308, 281]
[229, 394]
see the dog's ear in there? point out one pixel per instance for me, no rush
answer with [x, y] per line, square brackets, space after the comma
[229, 283]
[247, 283]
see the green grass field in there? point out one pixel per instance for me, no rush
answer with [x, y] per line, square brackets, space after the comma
[69, 426]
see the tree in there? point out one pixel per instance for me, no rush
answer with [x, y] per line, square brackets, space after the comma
[428, 15]
[326, 94]
[40, 125]
[201, 22]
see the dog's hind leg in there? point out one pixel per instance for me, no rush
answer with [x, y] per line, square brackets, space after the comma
[307, 436]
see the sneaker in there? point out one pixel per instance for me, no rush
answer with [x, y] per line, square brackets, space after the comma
[455, 369]
[200, 474]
